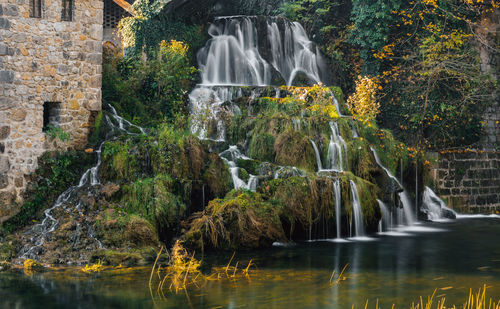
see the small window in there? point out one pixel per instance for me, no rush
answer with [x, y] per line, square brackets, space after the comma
[67, 10]
[36, 8]
[51, 115]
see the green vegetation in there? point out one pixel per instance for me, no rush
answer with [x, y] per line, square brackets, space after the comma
[56, 171]
[149, 92]
[425, 54]
[240, 220]
[56, 132]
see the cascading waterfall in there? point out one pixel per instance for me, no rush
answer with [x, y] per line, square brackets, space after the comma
[230, 156]
[359, 227]
[233, 57]
[38, 234]
[293, 52]
[404, 196]
[434, 207]
[336, 149]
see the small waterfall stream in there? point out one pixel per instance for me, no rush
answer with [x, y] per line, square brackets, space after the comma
[230, 156]
[386, 221]
[338, 204]
[318, 156]
[38, 234]
[404, 196]
[434, 207]
[357, 212]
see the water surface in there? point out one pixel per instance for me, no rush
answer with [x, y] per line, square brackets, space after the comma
[453, 258]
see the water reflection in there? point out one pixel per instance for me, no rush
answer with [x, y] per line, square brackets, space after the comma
[393, 269]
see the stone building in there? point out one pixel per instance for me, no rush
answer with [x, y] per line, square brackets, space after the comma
[50, 77]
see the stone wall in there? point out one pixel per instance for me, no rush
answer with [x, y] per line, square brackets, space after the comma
[469, 181]
[45, 60]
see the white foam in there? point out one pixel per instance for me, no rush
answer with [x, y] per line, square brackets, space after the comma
[478, 216]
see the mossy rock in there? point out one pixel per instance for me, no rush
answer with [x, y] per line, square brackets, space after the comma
[243, 174]
[241, 220]
[217, 176]
[262, 147]
[294, 149]
[117, 229]
[251, 166]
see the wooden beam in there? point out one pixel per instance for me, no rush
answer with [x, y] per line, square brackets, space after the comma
[125, 5]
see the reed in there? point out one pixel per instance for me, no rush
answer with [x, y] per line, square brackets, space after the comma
[182, 271]
[475, 300]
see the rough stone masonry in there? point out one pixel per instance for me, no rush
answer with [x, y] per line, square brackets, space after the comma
[50, 76]
[469, 181]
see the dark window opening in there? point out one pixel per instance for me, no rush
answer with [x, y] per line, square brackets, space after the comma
[51, 115]
[36, 8]
[67, 10]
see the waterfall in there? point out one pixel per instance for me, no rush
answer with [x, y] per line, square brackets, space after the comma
[386, 216]
[248, 51]
[407, 207]
[233, 55]
[336, 149]
[293, 52]
[230, 156]
[318, 157]
[377, 159]
[338, 204]
[434, 207]
[359, 228]
[404, 196]
[38, 234]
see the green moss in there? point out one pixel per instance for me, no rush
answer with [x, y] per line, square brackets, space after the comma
[368, 194]
[241, 220]
[118, 229]
[7, 249]
[243, 174]
[294, 149]
[217, 176]
[152, 198]
[262, 147]
[251, 166]
[97, 132]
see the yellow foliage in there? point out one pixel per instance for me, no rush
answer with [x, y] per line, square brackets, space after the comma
[363, 103]
[30, 266]
[174, 47]
[93, 268]
[316, 99]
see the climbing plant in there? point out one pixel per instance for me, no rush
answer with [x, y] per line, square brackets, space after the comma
[150, 25]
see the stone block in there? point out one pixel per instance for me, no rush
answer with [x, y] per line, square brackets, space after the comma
[4, 49]
[4, 164]
[6, 77]
[4, 181]
[4, 132]
[94, 58]
[18, 114]
[19, 182]
[6, 103]
[11, 10]
[96, 32]
[4, 23]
